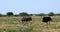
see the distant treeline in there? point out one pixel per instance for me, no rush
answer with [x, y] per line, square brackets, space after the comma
[26, 14]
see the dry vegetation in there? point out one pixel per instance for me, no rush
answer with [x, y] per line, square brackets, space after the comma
[13, 24]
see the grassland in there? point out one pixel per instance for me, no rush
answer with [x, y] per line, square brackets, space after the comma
[14, 24]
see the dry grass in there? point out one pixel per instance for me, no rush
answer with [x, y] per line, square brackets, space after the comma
[36, 24]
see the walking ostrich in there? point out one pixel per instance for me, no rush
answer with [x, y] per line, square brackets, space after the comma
[26, 19]
[47, 20]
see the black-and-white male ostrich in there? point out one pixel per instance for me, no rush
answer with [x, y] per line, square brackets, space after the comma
[47, 20]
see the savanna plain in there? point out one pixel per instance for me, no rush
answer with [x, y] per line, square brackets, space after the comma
[14, 24]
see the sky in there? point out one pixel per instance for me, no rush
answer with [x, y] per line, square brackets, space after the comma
[29, 6]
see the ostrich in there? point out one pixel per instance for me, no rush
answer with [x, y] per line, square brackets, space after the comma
[26, 19]
[46, 20]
